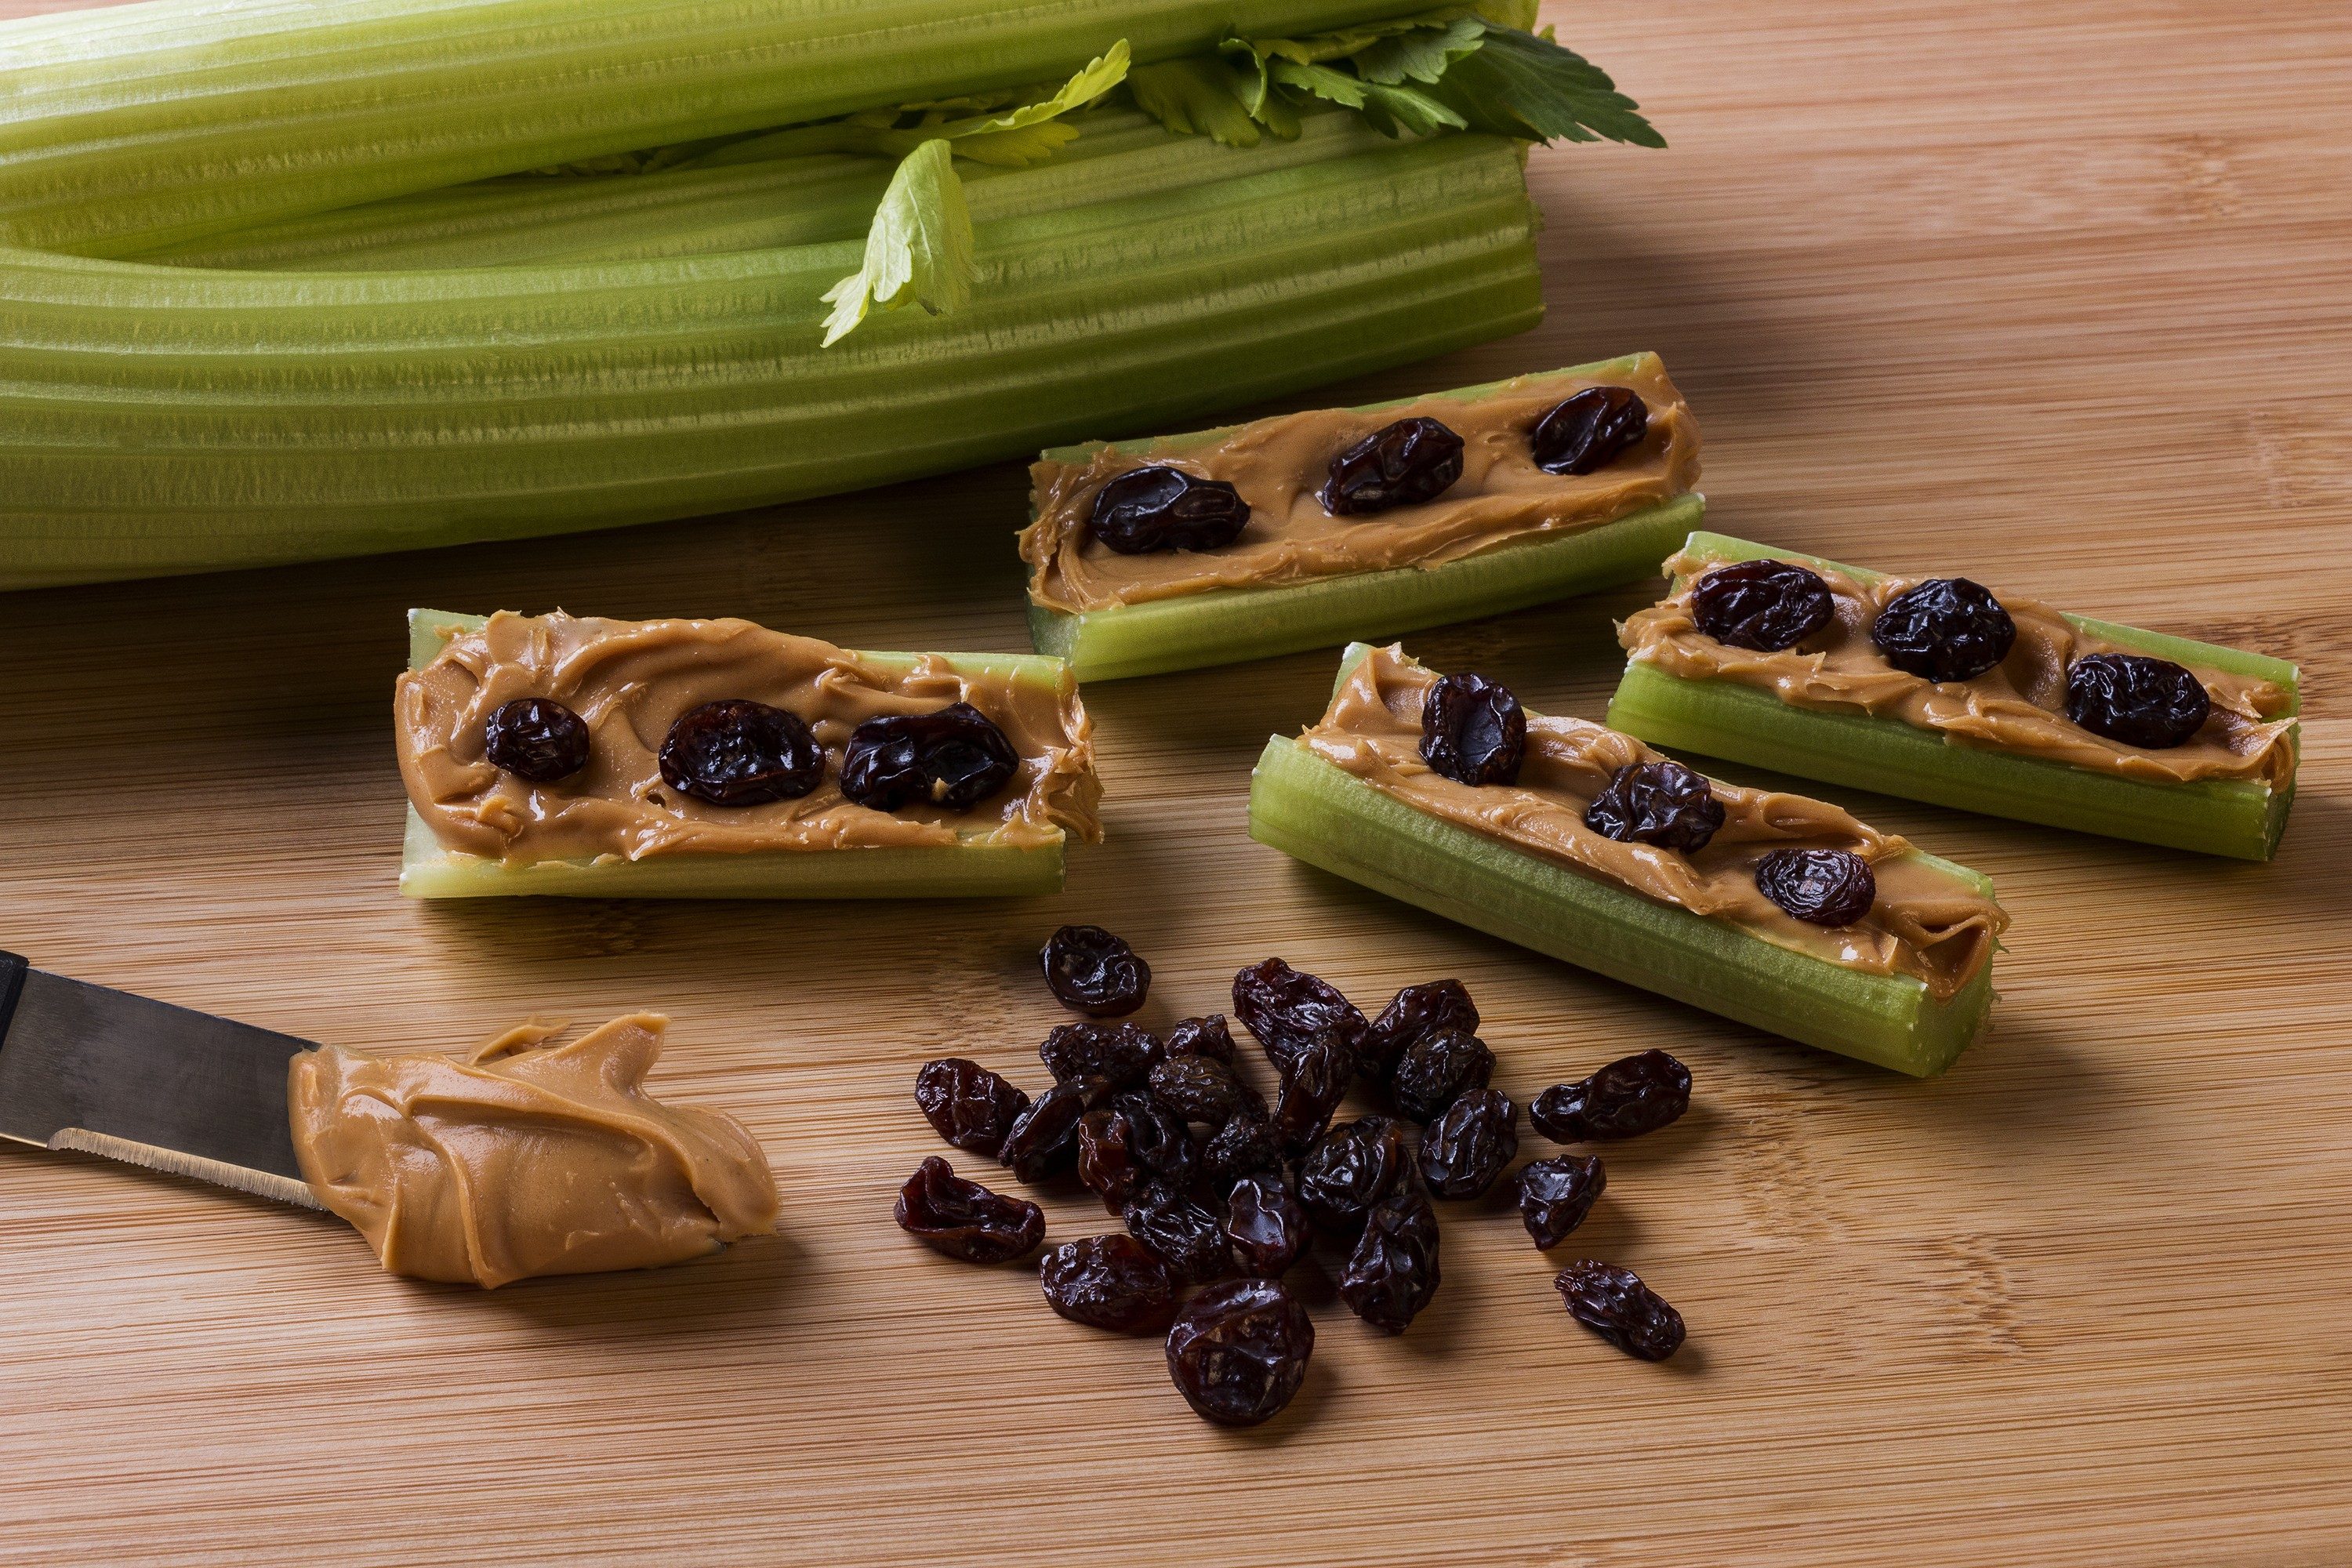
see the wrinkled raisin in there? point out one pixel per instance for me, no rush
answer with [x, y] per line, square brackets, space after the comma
[1264, 1224]
[967, 1105]
[1090, 971]
[1661, 802]
[537, 739]
[1466, 1148]
[1556, 1194]
[1614, 1303]
[1312, 1092]
[1765, 606]
[1436, 1069]
[1820, 887]
[741, 753]
[953, 759]
[1109, 1282]
[1393, 1273]
[1352, 1168]
[1119, 1052]
[1403, 464]
[1413, 1013]
[1106, 1162]
[1202, 1089]
[1202, 1037]
[964, 1219]
[1161, 1144]
[1586, 433]
[1239, 1352]
[1242, 1147]
[2151, 703]
[1946, 628]
[1472, 731]
[1145, 511]
[1630, 1096]
[1043, 1141]
[1186, 1236]
[1288, 1010]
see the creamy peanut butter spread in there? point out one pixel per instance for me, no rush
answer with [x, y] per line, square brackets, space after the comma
[2020, 706]
[1926, 922]
[1279, 464]
[631, 681]
[524, 1158]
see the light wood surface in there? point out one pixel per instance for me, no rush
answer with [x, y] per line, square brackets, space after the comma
[2060, 296]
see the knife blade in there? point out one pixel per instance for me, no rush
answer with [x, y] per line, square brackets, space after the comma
[130, 1078]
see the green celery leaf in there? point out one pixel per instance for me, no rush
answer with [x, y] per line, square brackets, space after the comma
[1195, 97]
[1422, 55]
[1101, 76]
[920, 246]
[1392, 110]
[1017, 148]
[1517, 84]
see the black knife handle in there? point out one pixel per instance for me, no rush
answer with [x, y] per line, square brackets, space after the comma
[12, 986]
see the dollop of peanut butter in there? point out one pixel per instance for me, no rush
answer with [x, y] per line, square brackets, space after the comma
[2020, 706]
[1926, 923]
[525, 1158]
[631, 681]
[1279, 464]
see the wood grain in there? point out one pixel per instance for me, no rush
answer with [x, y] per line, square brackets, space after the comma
[2061, 296]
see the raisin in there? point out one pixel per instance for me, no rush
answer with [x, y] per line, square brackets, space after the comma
[1264, 1224]
[1766, 605]
[1202, 1037]
[1393, 1274]
[1556, 1194]
[1312, 1092]
[1202, 1089]
[967, 1105]
[1043, 1141]
[537, 739]
[1413, 1013]
[1239, 1352]
[1436, 1069]
[1147, 511]
[1109, 1282]
[2151, 703]
[1661, 802]
[1403, 464]
[1161, 1144]
[741, 753]
[1587, 433]
[1106, 1162]
[1288, 1010]
[1614, 1303]
[953, 759]
[1472, 731]
[1820, 887]
[1243, 1147]
[1119, 1052]
[1630, 1096]
[1092, 972]
[964, 1219]
[1466, 1149]
[1946, 628]
[1352, 1168]
[1186, 1236]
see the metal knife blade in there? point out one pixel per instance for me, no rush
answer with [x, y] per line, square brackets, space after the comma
[109, 1073]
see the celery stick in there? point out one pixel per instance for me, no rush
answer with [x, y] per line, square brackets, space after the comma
[2242, 818]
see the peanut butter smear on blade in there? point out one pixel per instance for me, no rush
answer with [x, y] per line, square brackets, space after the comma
[631, 681]
[2017, 706]
[1926, 922]
[525, 1158]
[1279, 465]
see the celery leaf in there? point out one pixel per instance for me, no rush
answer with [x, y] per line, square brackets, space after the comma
[1422, 55]
[1517, 84]
[1195, 97]
[1391, 111]
[920, 248]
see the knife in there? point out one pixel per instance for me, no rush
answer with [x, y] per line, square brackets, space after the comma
[105, 1072]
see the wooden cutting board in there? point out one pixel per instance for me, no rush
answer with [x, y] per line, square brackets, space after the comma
[2058, 296]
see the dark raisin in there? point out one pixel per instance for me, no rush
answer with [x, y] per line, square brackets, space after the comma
[1556, 1194]
[1202, 1089]
[1614, 1303]
[1661, 802]
[1239, 1352]
[1820, 887]
[1043, 1141]
[741, 753]
[1352, 1168]
[2151, 703]
[1403, 464]
[1946, 628]
[1586, 433]
[1413, 1013]
[1119, 1052]
[1393, 1271]
[1264, 1224]
[537, 739]
[1436, 1069]
[967, 1105]
[1109, 1282]
[953, 759]
[1106, 1162]
[1288, 1010]
[1766, 605]
[964, 1219]
[1466, 1148]
[1312, 1092]
[1630, 1096]
[1145, 511]
[1202, 1037]
[1090, 971]
[1242, 1147]
[1187, 1238]
[1472, 731]
[1161, 1144]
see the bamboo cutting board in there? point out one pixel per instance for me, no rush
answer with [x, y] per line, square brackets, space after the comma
[2058, 296]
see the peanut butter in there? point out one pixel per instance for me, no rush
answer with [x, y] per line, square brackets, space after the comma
[1279, 464]
[524, 1158]
[1926, 923]
[2020, 706]
[630, 680]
